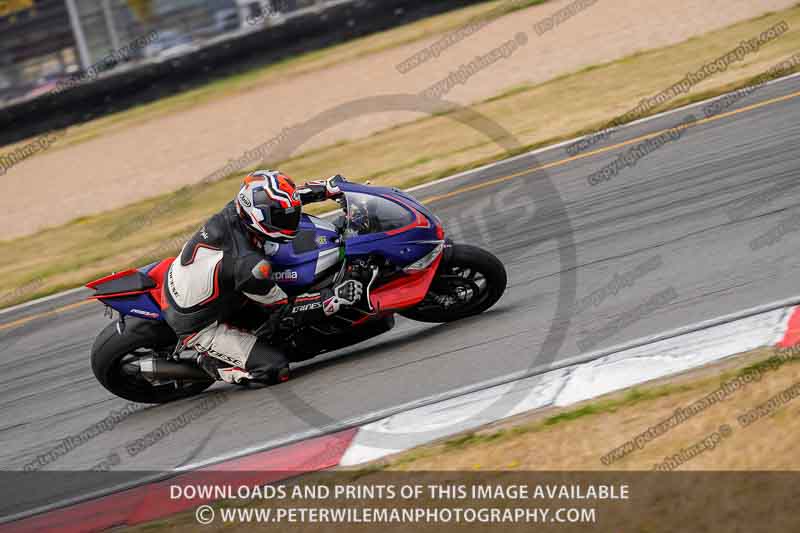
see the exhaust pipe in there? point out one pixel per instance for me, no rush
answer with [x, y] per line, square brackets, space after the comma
[157, 369]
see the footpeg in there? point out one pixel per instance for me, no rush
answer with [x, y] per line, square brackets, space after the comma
[235, 375]
[273, 377]
[283, 374]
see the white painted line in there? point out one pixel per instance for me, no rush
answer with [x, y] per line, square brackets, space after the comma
[671, 356]
[38, 301]
[563, 387]
[425, 424]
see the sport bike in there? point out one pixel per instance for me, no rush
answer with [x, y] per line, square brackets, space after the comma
[382, 237]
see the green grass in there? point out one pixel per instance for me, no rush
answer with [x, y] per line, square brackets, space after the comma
[767, 365]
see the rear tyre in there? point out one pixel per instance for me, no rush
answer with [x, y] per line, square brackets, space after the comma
[468, 283]
[141, 338]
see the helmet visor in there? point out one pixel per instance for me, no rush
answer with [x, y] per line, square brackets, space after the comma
[285, 220]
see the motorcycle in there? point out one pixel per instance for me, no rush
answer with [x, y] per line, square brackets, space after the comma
[383, 237]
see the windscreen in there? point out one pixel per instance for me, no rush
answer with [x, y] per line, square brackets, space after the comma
[367, 214]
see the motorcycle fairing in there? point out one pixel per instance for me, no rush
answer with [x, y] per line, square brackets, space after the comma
[134, 292]
[299, 264]
[400, 246]
[405, 291]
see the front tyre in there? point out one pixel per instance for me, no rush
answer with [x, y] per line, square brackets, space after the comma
[141, 338]
[469, 282]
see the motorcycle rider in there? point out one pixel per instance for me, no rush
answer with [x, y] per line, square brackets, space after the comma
[226, 264]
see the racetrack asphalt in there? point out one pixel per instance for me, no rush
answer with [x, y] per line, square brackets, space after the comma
[678, 211]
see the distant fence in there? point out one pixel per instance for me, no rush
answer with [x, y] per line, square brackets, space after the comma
[45, 41]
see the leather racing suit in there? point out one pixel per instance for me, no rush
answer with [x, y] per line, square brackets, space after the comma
[221, 269]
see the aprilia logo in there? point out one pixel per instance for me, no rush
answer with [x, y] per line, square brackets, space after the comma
[284, 275]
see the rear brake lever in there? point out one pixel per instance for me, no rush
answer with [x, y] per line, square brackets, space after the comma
[375, 271]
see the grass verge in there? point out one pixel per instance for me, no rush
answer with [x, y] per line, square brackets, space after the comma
[403, 156]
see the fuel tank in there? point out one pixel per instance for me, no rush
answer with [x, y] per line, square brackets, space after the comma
[313, 254]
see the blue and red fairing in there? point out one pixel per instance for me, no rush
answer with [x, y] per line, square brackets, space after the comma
[415, 247]
[134, 292]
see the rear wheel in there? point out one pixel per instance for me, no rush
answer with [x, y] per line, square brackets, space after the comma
[141, 338]
[470, 282]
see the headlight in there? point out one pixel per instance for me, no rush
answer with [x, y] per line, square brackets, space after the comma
[426, 261]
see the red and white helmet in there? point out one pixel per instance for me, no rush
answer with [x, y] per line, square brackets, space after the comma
[269, 205]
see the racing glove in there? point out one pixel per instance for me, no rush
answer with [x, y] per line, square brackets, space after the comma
[319, 190]
[347, 293]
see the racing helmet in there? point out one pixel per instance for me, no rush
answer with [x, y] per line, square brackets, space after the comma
[269, 205]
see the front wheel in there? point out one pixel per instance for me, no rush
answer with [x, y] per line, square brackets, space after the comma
[468, 283]
[141, 338]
